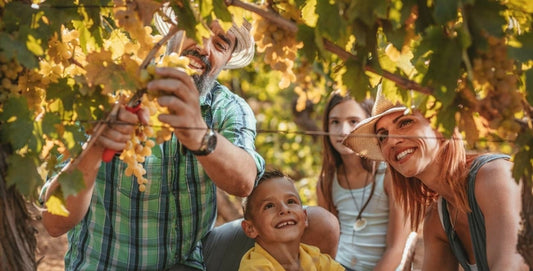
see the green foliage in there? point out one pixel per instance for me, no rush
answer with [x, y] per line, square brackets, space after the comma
[74, 58]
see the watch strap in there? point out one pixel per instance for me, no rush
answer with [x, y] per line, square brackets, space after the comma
[208, 144]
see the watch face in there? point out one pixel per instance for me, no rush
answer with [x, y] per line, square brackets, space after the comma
[211, 141]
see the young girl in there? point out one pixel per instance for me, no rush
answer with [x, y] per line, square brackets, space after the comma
[358, 191]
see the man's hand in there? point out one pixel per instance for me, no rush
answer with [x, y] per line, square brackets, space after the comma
[178, 92]
[118, 133]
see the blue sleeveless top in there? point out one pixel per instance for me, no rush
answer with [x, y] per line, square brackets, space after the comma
[476, 221]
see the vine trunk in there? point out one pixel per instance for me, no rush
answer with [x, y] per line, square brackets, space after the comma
[17, 234]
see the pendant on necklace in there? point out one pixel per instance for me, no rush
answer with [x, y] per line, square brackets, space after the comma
[353, 261]
[359, 224]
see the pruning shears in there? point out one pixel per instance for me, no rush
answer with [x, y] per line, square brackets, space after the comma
[133, 105]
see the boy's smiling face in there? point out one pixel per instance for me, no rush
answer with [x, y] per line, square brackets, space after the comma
[276, 214]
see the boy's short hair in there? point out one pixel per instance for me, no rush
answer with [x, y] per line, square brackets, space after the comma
[267, 175]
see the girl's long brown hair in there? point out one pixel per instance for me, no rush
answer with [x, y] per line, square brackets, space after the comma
[331, 159]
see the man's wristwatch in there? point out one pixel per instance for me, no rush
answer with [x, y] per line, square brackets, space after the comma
[208, 145]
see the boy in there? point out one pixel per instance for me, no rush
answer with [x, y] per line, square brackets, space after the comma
[275, 218]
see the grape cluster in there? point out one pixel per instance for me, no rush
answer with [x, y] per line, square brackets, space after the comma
[163, 130]
[128, 19]
[9, 73]
[141, 142]
[306, 85]
[135, 152]
[496, 76]
[61, 51]
[279, 46]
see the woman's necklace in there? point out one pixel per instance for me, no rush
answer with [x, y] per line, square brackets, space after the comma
[360, 221]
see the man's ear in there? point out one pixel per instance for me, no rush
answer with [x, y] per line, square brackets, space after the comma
[249, 229]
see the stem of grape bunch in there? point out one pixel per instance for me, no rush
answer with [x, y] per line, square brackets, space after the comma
[111, 116]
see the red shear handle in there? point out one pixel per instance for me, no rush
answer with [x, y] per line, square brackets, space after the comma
[109, 153]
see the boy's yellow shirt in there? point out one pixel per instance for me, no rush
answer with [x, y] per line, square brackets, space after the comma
[311, 259]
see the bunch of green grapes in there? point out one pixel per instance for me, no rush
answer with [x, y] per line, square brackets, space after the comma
[306, 86]
[135, 152]
[9, 73]
[496, 76]
[142, 140]
[163, 130]
[279, 46]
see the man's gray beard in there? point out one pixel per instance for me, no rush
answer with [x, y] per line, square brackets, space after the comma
[204, 83]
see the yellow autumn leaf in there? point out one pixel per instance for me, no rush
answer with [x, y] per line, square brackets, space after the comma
[146, 10]
[56, 206]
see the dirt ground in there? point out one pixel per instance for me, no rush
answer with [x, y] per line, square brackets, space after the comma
[50, 250]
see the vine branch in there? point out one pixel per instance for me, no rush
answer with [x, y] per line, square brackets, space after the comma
[329, 45]
[114, 111]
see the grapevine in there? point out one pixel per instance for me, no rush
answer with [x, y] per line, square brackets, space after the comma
[9, 73]
[279, 46]
[141, 142]
[495, 75]
[306, 86]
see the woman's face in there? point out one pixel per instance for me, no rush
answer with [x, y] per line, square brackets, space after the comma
[408, 143]
[341, 121]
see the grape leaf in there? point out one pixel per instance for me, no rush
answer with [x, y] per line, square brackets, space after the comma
[221, 10]
[486, 15]
[395, 36]
[34, 45]
[444, 64]
[101, 70]
[146, 10]
[445, 10]
[187, 19]
[446, 120]
[22, 173]
[57, 15]
[56, 206]
[17, 49]
[15, 15]
[328, 23]
[526, 5]
[520, 49]
[529, 85]
[62, 91]
[523, 163]
[355, 79]
[308, 12]
[49, 122]
[71, 182]
[92, 24]
[17, 120]
[366, 11]
[73, 137]
[88, 39]
[306, 34]
[36, 141]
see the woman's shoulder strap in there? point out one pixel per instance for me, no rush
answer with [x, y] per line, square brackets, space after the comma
[480, 161]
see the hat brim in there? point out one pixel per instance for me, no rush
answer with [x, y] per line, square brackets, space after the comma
[363, 140]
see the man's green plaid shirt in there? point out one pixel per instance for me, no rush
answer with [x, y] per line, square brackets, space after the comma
[125, 229]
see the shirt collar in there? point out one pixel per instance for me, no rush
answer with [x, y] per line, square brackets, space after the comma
[207, 99]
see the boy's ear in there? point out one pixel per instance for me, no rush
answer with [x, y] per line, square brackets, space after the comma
[249, 229]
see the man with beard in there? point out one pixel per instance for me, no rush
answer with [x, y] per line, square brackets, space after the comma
[114, 226]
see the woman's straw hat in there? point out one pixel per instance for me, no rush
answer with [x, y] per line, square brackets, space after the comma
[242, 54]
[363, 139]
